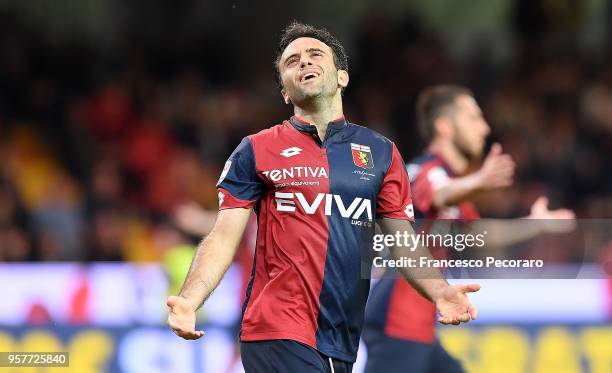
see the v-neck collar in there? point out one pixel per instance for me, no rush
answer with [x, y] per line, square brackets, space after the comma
[332, 127]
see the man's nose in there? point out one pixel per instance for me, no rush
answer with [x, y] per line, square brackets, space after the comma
[305, 61]
[486, 128]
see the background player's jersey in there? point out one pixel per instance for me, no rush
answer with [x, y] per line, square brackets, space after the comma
[316, 205]
[395, 306]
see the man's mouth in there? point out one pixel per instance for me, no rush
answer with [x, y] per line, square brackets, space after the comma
[308, 75]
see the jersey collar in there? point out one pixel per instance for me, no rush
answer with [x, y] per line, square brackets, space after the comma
[303, 126]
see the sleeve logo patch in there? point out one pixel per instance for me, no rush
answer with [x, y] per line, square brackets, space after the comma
[362, 156]
[409, 211]
[226, 169]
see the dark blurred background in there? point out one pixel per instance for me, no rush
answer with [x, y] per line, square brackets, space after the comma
[114, 113]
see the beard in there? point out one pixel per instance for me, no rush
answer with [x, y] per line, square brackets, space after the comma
[470, 153]
[309, 95]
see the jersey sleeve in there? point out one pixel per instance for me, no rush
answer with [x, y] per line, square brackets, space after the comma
[425, 184]
[239, 184]
[394, 197]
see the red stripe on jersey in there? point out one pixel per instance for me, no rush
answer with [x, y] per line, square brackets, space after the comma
[289, 260]
[394, 198]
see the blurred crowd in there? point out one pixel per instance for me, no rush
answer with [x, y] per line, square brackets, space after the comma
[97, 152]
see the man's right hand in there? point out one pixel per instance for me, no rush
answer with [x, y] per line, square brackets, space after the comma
[182, 318]
[497, 170]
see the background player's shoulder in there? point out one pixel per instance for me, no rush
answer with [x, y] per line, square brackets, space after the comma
[425, 158]
[425, 164]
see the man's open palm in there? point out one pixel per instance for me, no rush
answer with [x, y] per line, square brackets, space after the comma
[182, 318]
[454, 306]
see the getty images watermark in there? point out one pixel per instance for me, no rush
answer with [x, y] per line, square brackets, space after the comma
[458, 242]
[493, 249]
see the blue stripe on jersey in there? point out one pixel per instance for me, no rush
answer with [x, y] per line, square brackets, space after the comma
[344, 290]
[240, 174]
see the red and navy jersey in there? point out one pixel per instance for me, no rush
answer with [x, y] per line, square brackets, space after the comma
[316, 204]
[395, 307]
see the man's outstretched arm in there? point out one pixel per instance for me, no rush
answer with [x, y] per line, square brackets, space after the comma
[540, 220]
[497, 171]
[452, 303]
[210, 262]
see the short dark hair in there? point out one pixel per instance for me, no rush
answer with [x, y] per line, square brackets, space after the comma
[297, 30]
[434, 102]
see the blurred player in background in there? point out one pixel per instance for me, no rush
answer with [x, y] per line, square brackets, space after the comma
[312, 181]
[400, 323]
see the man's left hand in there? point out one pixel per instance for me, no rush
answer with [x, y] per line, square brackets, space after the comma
[454, 306]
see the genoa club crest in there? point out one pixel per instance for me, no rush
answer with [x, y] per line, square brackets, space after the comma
[362, 156]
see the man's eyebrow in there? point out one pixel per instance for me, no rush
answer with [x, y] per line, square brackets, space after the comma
[291, 55]
[309, 50]
[315, 50]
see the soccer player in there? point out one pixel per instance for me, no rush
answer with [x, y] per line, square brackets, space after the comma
[400, 323]
[317, 184]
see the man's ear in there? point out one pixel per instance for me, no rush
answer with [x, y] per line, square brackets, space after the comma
[343, 78]
[286, 97]
[443, 126]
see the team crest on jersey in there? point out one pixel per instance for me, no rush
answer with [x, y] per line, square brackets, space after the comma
[362, 156]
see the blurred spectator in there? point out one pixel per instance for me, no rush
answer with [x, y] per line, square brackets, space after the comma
[107, 232]
[60, 214]
[14, 245]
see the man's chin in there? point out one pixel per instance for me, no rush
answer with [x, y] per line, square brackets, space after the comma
[472, 155]
[307, 96]
[311, 91]
[476, 154]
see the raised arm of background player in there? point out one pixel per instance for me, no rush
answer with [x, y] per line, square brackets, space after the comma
[497, 171]
[451, 301]
[210, 262]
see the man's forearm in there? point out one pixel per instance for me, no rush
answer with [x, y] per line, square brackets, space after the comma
[211, 260]
[501, 233]
[428, 281]
[457, 190]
